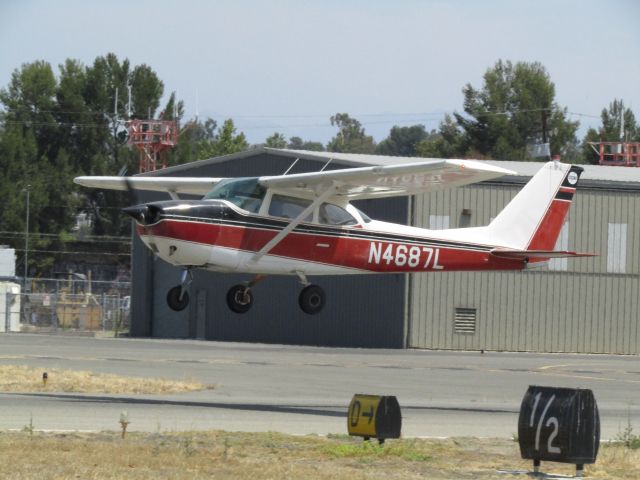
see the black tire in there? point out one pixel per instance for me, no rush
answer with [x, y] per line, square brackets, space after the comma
[312, 299]
[239, 299]
[174, 301]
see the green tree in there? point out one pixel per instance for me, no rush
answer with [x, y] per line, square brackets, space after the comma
[514, 109]
[449, 141]
[29, 101]
[193, 135]
[72, 111]
[402, 141]
[224, 142]
[108, 152]
[351, 137]
[54, 129]
[174, 109]
[612, 123]
[609, 130]
[296, 143]
[18, 150]
[276, 140]
[32, 156]
[146, 92]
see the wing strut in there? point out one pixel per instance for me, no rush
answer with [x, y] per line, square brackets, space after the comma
[173, 195]
[293, 224]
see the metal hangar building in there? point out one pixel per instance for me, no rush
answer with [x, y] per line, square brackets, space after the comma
[587, 305]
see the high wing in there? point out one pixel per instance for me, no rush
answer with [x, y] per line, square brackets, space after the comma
[388, 181]
[172, 185]
[351, 183]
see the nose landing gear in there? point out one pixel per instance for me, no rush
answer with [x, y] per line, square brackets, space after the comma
[312, 298]
[178, 296]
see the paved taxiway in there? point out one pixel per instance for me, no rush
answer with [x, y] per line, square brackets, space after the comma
[305, 390]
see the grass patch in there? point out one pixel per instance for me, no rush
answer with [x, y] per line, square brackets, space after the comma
[408, 450]
[227, 455]
[627, 437]
[22, 379]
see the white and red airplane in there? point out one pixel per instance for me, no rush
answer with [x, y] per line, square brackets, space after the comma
[304, 225]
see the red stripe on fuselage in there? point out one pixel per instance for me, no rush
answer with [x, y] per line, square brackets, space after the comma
[341, 251]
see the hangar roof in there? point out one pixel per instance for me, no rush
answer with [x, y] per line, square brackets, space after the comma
[596, 173]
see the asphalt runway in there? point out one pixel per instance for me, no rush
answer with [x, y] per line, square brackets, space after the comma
[307, 390]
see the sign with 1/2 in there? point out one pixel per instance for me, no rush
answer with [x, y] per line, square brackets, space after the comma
[559, 425]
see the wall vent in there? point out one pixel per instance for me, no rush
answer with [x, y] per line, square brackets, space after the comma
[465, 321]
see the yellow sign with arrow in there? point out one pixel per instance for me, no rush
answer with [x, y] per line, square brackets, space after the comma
[374, 416]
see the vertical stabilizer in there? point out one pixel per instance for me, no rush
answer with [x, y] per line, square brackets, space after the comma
[534, 218]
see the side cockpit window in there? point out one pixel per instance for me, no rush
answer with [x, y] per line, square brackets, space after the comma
[334, 215]
[288, 207]
[245, 193]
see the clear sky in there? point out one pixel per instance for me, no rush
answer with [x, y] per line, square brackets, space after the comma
[288, 65]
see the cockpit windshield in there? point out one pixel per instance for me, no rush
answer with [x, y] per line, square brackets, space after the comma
[246, 193]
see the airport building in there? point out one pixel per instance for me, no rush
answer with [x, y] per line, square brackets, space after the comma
[587, 305]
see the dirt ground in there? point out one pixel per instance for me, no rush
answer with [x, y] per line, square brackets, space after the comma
[19, 378]
[223, 455]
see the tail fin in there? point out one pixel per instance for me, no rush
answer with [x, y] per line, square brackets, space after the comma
[534, 218]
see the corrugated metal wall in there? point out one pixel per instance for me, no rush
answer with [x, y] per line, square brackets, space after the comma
[361, 311]
[585, 308]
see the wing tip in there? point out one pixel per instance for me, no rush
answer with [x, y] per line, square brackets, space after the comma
[480, 165]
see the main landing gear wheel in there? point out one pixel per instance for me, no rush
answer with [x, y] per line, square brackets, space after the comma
[177, 299]
[312, 299]
[239, 298]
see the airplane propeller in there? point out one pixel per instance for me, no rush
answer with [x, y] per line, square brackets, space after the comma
[143, 213]
[147, 214]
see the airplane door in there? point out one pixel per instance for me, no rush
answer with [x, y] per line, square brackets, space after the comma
[332, 247]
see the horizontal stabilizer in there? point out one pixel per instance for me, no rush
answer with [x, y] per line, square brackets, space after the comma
[536, 254]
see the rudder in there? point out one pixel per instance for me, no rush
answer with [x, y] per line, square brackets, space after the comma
[547, 233]
[534, 218]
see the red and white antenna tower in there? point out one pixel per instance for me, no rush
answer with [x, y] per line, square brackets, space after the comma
[620, 153]
[152, 138]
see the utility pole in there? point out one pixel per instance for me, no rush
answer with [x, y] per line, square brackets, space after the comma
[544, 126]
[26, 239]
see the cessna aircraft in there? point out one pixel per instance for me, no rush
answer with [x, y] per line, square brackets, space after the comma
[304, 224]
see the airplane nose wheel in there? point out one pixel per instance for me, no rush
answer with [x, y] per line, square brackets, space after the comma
[239, 298]
[177, 299]
[178, 296]
[312, 299]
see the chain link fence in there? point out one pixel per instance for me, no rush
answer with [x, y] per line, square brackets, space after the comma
[74, 305]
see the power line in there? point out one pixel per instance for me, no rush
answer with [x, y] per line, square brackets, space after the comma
[419, 116]
[583, 115]
[51, 124]
[90, 208]
[70, 112]
[88, 238]
[65, 252]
